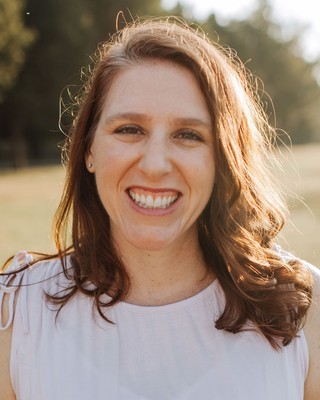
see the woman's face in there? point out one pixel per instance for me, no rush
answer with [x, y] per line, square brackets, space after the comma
[152, 155]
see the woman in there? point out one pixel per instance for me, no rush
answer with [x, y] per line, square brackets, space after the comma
[172, 286]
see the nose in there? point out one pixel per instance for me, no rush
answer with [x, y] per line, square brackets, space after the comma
[155, 159]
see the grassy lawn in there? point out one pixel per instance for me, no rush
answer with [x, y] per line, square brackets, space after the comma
[301, 180]
[28, 199]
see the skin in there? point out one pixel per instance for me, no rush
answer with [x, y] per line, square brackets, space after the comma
[6, 390]
[154, 138]
[312, 332]
[154, 149]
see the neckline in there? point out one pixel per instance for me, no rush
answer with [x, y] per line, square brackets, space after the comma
[187, 302]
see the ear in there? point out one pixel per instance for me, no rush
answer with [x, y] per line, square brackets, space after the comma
[89, 162]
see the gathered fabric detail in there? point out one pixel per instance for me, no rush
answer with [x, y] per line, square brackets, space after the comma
[9, 284]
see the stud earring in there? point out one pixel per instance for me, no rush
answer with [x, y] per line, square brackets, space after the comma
[89, 165]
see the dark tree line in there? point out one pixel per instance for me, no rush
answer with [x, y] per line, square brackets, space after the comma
[291, 93]
[46, 43]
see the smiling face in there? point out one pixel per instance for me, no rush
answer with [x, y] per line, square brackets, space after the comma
[152, 155]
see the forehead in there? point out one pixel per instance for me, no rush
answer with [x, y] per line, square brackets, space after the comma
[155, 86]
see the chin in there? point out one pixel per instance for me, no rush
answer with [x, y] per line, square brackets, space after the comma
[150, 243]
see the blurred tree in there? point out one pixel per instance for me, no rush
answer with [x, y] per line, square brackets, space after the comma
[15, 38]
[289, 86]
[68, 32]
[106, 16]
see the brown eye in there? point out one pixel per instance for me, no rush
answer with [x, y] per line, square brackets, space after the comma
[189, 135]
[129, 130]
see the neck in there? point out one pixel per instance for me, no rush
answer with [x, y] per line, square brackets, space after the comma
[165, 276]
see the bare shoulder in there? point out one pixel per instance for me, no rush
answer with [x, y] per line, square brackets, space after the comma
[312, 332]
[6, 390]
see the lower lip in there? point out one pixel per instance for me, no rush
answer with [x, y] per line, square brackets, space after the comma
[154, 211]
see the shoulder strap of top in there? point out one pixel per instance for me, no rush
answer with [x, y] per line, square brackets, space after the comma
[9, 285]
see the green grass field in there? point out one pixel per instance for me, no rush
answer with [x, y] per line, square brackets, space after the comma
[28, 199]
[301, 181]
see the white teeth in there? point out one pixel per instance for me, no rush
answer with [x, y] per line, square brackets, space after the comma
[149, 202]
[164, 202]
[157, 202]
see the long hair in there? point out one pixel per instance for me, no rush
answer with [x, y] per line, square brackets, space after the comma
[244, 214]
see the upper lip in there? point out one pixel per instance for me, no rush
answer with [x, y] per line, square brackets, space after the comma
[154, 190]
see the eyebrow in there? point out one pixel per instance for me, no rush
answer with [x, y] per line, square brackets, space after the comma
[127, 115]
[190, 121]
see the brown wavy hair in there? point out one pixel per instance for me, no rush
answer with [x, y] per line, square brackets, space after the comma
[244, 214]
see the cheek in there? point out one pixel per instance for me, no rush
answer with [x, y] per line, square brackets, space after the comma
[206, 178]
[204, 170]
[105, 158]
[210, 165]
[110, 164]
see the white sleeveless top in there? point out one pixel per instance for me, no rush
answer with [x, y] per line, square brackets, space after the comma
[164, 352]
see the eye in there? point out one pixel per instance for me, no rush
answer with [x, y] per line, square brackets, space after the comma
[189, 135]
[129, 130]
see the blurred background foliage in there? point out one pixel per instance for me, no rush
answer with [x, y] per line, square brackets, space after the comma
[44, 44]
[15, 38]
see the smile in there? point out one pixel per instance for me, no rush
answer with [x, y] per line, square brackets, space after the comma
[152, 201]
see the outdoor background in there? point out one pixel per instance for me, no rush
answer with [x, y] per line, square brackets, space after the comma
[45, 44]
